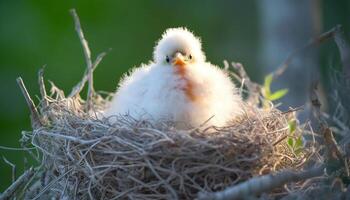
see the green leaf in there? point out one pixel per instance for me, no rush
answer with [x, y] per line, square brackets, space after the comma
[267, 84]
[299, 143]
[292, 125]
[278, 94]
[298, 151]
[290, 142]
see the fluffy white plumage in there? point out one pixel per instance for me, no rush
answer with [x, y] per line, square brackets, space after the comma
[179, 85]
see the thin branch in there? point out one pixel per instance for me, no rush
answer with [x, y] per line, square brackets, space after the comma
[316, 104]
[66, 137]
[42, 87]
[292, 110]
[253, 88]
[334, 151]
[79, 87]
[259, 185]
[87, 54]
[344, 49]
[315, 41]
[13, 167]
[243, 74]
[48, 186]
[24, 178]
[15, 149]
[34, 115]
[331, 144]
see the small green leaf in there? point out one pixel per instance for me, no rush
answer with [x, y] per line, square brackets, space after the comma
[298, 151]
[299, 143]
[292, 125]
[268, 80]
[267, 84]
[290, 142]
[278, 94]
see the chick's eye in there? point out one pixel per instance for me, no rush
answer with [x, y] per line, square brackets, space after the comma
[190, 56]
[167, 59]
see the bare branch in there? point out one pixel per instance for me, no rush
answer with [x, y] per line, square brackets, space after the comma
[334, 151]
[13, 167]
[315, 41]
[331, 144]
[48, 186]
[79, 87]
[87, 54]
[34, 115]
[344, 49]
[16, 149]
[259, 185]
[316, 104]
[253, 88]
[24, 178]
[42, 87]
[84, 43]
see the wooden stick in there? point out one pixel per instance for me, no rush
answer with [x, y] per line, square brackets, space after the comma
[344, 49]
[34, 115]
[79, 87]
[253, 88]
[259, 185]
[42, 87]
[9, 192]
[315, 41]
[48, 186]
[87, 54]
[334, 151]
[13, 166]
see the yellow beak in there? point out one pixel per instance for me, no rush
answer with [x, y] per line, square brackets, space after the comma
[179, 60]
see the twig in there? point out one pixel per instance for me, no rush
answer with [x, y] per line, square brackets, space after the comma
[292, 110]
[334, 151]
[13, 166]
[259, 185]
[315, 41]
[253, 88]
[344, 49]
[79, 87]
[48, 186]
[166, 184]
[280, 140]
[243, 74]
[16, 149]
[42, 87]
[34, 115]
[316, 104]
[66, 137]
[64, 189]
[332, 144]
[87, 54]
[8, 194]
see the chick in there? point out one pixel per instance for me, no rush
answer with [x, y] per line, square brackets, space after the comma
[178, 85]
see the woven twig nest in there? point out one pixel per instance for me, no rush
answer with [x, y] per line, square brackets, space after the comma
[91, 158]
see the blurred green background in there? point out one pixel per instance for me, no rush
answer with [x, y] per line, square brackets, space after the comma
[35, 33]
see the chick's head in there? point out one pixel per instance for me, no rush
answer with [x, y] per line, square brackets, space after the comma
[178, 46]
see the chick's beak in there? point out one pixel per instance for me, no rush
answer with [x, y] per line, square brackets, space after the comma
[179, 60]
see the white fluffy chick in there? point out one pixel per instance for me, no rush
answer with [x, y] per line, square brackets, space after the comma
[179, 85]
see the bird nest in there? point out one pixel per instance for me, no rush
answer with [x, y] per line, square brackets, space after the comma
[88, 157]
[83, 155]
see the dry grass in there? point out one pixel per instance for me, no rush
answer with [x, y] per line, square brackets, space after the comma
[91, 158]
